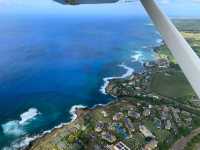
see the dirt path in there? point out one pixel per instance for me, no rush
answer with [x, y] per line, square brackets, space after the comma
[181, 143]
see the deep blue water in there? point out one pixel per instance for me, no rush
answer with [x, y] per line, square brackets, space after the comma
[53, 63]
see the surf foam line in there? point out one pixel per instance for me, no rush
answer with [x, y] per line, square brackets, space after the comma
[149, 24]
[15, 127]
[129, 72]
[159, 41]
[137, 56]
[25, 141]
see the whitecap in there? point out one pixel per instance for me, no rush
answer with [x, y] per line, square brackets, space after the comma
[28, 115]
[15, 127]
[137, 56]
[25, 141]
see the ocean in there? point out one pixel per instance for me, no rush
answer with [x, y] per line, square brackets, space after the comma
[48, 64]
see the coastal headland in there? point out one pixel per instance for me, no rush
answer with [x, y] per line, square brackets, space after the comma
[150, 110]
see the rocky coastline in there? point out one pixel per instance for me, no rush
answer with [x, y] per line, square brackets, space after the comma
[134, 92]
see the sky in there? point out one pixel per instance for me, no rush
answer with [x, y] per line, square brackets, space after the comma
[174, 8]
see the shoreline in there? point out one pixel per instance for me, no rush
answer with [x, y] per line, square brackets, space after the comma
[129, 72]
[75, 117]
[73, 111]
[27, 141]
[78, 110]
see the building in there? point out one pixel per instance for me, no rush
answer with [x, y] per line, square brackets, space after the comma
[146, 132]
[165, 113]
[168, 125]
[99, 127]
[163, 63]
[109, 137]
[133, 114]
[146, 112]
[117, 116]
[129, 125]
[157, 123]
[108, 147]
[120, 146]
[151, 145]
[104, 113]
[176, 116]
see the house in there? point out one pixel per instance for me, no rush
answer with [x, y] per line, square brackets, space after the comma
[133, 114]
[117, 116]
[150, 106]
[99, 126]
[176, 115]
[121, 146]
[109, 137]
[168, 125]
[151, 145]
[157, 123]
[129, 125]
[105, 114]
[150, 64]
[165, 113]
[163, 63]
[146, 112]
[108, 147]
[146, 132]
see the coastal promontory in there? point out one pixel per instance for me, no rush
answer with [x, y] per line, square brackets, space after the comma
[152, 109]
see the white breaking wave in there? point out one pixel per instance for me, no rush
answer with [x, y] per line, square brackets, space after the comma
[28, 115]
[137, 56]
[128, 73]
[73, 111]
[159, 41]
[25, 141]
[150, 24]
[21, 144]
[15, 127]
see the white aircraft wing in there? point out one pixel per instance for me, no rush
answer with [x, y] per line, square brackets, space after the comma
[181, 50]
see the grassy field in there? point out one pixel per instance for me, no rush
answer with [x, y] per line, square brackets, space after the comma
[187, 24]
[164, 53]
[172, 84]
[190, 29]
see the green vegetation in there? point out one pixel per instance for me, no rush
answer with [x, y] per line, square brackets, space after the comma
[192, 145]
[161, 134]
[136, 141]
[187, 24]
[164, 53]
[190, 29]
[171, 84]
[164, 92]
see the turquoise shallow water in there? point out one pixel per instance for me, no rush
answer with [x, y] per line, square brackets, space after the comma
[49, 64]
